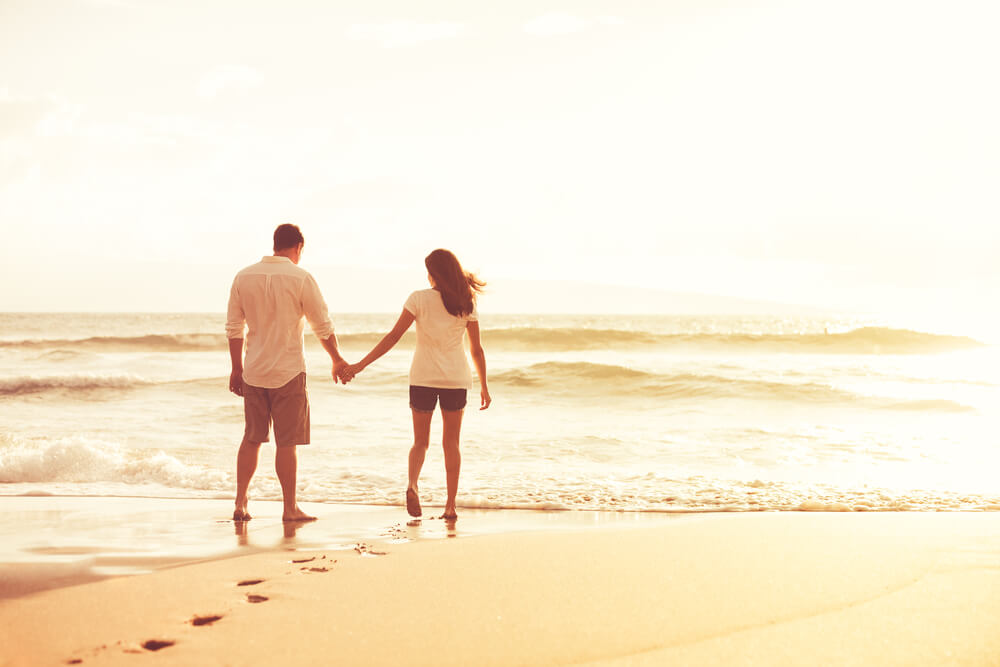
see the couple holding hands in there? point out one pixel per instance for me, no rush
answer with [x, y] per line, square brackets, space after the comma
[270, 299]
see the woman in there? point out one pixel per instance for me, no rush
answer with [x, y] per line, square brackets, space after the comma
[440, 370]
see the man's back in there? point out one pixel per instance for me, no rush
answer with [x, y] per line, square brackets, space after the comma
[271, 298]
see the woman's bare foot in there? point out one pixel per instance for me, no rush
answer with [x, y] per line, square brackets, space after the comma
[413, 502]
[297, 515]
[241, 514]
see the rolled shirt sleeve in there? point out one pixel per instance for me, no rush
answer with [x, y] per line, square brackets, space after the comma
[315, 309]
[235, 317]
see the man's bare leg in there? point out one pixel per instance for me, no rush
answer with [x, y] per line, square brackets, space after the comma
[286, 464]
[246, 466]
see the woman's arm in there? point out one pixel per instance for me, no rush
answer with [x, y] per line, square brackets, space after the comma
[479, 359]
[387, 343]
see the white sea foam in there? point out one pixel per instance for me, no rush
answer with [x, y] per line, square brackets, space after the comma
[83, 460]
[655, 494]
[819, 506]
[94, 467]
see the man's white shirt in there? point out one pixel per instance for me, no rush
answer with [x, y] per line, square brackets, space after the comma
[270, 299]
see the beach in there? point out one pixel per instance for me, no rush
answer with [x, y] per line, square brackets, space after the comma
[544, 588]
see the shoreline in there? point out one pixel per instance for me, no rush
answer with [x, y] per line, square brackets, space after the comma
[752, 588]
[49, 542]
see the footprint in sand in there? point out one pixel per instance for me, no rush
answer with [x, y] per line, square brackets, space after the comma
[366, 550]
[157, 644]
[254, 599]
[128, 647]
[205, 620]
[250, 582]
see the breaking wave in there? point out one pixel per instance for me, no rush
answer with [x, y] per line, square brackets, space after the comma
[152, 342]
[585, 378]
[867, 340]
[84, 382]
[80, 460]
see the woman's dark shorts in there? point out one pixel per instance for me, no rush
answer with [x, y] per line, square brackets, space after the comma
[424, 399]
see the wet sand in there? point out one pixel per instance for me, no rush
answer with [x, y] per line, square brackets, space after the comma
[760, 588]
[54, 541]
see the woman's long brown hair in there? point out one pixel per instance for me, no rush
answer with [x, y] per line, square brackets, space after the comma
[458, 288]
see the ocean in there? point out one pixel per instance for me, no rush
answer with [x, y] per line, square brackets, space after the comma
[604, 412]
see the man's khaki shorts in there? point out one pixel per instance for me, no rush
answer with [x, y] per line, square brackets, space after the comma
[286, 406]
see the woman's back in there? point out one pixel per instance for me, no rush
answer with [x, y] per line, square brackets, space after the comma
[439, 360]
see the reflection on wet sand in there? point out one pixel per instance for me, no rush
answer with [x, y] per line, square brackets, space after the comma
[292, 527]
[77, 539]
[241, 532]
[289, 530]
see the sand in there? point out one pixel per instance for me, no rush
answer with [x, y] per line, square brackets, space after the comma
[739, 589]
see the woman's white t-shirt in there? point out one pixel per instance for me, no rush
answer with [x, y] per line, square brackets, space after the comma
[440, 359]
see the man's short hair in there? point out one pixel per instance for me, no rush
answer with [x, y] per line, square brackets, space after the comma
[287, 236]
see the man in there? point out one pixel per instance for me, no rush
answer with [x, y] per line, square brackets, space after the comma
[270, 299]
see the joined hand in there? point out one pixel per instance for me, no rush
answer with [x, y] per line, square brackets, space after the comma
[341, 372]
[345, 372]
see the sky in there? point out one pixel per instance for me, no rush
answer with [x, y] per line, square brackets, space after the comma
[836, 155]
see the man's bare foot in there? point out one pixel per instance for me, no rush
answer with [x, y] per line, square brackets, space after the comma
[297, 515]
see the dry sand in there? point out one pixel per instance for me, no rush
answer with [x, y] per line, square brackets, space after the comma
[761, 589]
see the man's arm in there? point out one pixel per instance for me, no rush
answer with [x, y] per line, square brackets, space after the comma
[318, 317]
[236, 355]
[235, 323]
[330, 345]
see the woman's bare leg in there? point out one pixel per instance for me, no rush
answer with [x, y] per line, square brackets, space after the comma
[421, 440]
[452, 456]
